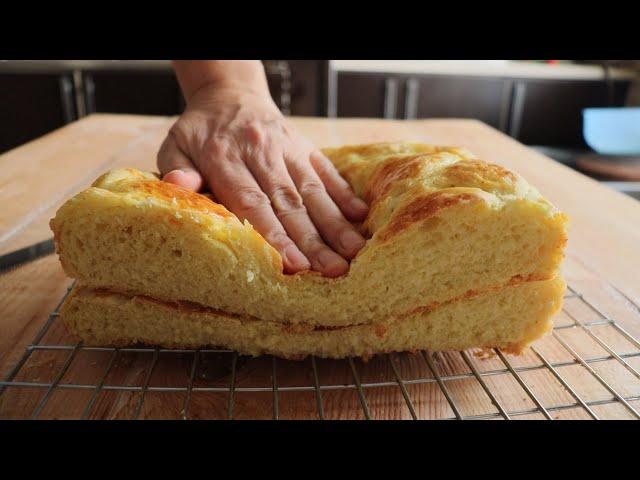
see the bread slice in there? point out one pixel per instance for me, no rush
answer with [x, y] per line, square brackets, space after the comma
[442, 227]
[509, 318]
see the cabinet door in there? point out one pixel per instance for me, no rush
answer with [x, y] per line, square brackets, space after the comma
[425, 96]
[439, 96]
[548, 112]
[137, 92]
[32, 105]
[368, 95]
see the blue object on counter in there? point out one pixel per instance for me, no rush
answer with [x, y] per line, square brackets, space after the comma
[612, 131]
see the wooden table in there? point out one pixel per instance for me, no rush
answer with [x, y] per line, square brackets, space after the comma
[603, 263]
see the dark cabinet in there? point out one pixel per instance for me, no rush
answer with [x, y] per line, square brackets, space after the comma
[295, 86]
[135, 92]
[534, 111]
[485, 99]
[546, 112]
[367, 95]
[33, 105]
[41, 96]
[411, 97]
[550, 112]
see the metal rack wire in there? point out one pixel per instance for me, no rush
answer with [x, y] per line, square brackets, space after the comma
[317, 409]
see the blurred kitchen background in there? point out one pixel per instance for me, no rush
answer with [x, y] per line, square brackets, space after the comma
[538, 102]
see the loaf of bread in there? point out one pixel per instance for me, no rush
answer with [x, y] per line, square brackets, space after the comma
[460, 253]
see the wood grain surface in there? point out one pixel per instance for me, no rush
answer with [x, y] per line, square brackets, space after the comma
[603, 263]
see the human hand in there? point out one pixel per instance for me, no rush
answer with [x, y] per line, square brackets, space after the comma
[260, 167]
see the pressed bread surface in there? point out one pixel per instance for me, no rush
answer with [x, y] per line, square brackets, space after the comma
[445, 231]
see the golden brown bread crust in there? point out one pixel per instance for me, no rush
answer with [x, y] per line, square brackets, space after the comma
[442, 226]
[423, 207]
[182, 198]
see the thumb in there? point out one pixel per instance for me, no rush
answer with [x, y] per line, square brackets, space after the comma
[176, 167]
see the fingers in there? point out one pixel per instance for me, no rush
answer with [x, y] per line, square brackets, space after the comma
[297, 206]
[176, 168]
[236, 188]
[353, 207]
[271, 173]
[335, 229]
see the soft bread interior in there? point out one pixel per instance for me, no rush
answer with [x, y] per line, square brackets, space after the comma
[510, 319]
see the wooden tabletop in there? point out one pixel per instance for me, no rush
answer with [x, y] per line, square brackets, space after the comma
[36, 178]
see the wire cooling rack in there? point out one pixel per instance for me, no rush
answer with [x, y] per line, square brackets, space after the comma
[587, 368]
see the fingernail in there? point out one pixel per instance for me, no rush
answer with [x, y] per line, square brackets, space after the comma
[174, 172]
[184, 177]
[295, 258]
[180, 170]
[358, 205]
[351, 241]
[332, 264]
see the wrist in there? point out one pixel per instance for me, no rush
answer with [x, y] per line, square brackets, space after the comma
[221, 75]
[213, 95]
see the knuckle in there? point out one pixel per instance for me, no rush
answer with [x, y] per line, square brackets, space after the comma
[316, 156]
[298, 157]
[311, 187]
[311, 242]
[286, 214]
[278, 239]
[320, 162]
[268, 163]
[286, 200]
[336, 227]
[254, 133]
[249, 199]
